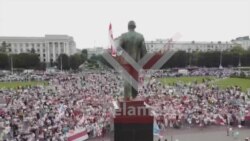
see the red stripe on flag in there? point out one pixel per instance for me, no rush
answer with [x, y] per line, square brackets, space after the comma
[112, 44]
[110, 30]
[128, 67]
[152, 61]
[157, 56]
[78, 135]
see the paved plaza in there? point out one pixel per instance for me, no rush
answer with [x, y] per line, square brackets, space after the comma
[209, 135]
[197, 134]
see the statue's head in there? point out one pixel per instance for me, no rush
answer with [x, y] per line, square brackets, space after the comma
[131, 25]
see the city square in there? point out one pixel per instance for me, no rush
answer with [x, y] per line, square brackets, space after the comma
[124, 70]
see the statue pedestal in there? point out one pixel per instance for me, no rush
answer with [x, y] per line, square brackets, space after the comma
[133, 122]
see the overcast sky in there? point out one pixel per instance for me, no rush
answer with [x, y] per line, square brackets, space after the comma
[87, 20]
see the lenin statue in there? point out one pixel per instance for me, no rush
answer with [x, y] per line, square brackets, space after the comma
[133, 43]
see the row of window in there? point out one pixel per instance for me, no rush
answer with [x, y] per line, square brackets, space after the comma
[51, 55]
[56, 44]
[43, 57]
[22, 50]
[201, 46]
[27, 45]
[193, 49]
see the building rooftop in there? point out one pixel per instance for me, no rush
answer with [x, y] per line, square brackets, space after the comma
[46, 37]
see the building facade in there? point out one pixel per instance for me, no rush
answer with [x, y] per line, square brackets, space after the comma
[48, 47]
[191, 46]
[243, 41]
[95, 51]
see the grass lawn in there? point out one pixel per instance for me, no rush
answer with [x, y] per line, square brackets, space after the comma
[223, 83]
[243, 83]
[171, 80]
[23, 84]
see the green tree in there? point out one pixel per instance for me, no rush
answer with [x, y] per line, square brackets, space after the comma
[33, 51]
[231, 58]
[42, 66]
[195, 58]
[75, 61]
[84, 54]
[4, 61]
[245, 58]
[92, 61]
[4, 46]
[237, 49]
[64, 60]
[26, 61]
[179, 59]
[248, 50]
[97, 60]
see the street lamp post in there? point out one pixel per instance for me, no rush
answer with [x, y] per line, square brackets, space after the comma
[11, 59]
[239, 64]
[220, 60]
[6, 48]
[61, 62]
[11, 64]
[190, 56]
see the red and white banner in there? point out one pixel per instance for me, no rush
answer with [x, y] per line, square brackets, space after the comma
[220, 120]
[112, 43]
[247, 117]
[77, 135]
[81, 120]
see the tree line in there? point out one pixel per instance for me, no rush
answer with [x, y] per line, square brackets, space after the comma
[73, 62]
[229, 58]
[32, 61]
[237, 56]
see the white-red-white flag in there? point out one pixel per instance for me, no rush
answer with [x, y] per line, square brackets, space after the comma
[81, 120]
[112, 43]
[77, 135]
[141, 78]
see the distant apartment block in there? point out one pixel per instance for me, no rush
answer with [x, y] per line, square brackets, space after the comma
[94, 51]
[189, 46]
[48, 47]
[243, 41]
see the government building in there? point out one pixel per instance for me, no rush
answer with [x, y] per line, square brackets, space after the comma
[48, 47]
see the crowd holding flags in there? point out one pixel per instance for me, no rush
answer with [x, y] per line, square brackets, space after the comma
[56, 113]
[77, 135]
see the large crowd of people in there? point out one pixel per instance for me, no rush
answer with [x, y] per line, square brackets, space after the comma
[84, 100]
[48, 112]
[226, 72]
[197, 105]
[38, 76]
